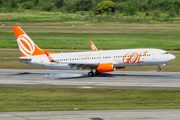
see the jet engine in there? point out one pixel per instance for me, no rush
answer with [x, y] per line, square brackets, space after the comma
[108, 67]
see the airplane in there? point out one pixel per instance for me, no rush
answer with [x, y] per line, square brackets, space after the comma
[96, 60]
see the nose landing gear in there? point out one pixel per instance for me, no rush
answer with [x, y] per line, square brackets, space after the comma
[159, 69]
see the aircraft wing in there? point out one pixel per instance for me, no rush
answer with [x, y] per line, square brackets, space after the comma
[81, 65]
[20, 58]
[87, 64]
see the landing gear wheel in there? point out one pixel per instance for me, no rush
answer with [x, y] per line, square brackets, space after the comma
[159, 69]
[97, 73]
[90, 74]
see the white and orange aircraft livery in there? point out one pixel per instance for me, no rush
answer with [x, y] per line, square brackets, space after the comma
[98, 60]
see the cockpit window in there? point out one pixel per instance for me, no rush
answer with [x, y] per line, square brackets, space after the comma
[167, 53]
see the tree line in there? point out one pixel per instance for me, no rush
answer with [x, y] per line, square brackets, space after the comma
[127, 7]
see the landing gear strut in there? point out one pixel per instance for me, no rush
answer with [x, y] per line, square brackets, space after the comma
[97, 72]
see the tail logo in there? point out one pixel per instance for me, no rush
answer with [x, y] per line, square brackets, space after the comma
[93, 47]
[26, 45]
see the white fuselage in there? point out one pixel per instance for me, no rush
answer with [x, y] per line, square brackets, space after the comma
[126, 57]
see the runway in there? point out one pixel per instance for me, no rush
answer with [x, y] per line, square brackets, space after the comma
[168, 114]
[79, 79]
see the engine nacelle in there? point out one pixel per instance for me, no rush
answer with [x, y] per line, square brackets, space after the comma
[108, 67]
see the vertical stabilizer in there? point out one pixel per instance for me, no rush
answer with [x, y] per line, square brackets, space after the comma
[26, 46]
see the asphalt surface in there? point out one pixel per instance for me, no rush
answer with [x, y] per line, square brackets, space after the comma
[79, 79]
[168, 114]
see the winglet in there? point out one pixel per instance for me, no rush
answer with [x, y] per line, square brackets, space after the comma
[93, 46]
[49, 57]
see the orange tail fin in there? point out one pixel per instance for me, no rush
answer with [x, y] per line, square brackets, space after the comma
[93, 46]
[26, 46]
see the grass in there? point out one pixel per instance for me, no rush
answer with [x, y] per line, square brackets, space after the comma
[57, 37]
[35, 99]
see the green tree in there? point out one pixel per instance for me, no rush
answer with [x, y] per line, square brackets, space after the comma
[105, 6]
[177, 6]
[1, 2]
[130, 9]
[69, 4]
[152, 5]
[27, 5]
[46, 5]
[166, 5]
[13, 3]
[35, 2]
[59, 3]
[83, 5]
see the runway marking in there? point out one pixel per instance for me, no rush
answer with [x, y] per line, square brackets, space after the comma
[21, 117]
[86, 87]
[155, 116]
[56, 118]
[139, 117]
[108, 117]
[74, 118]
[172, 116]
[122, 117]
[136, 117]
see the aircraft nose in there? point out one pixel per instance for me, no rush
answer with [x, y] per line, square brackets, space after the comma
[172, 57]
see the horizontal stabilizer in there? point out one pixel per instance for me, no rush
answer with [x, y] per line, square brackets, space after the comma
[20, 58]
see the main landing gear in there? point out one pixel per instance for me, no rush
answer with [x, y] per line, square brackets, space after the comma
[90, 74]
[97, 72]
